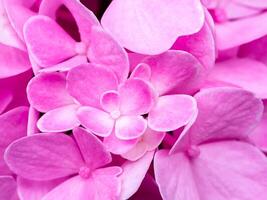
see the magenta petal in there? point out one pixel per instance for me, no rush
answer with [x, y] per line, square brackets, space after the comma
[5, 99]
[92, 149]
[47, 91]
[229, 114]
[95, 120]
[248, 74]
[133, 174]
[8, 188]
[110, 101]
[12, 61]
[50, 156]
[38, 32]
[174, 176]
[138, 26]
[13, 125]
[33, 190]
[59, 120]
[87, 83]
[130, 127]
[171, 112]
[106, 52]
[142, 97]
[174, 71]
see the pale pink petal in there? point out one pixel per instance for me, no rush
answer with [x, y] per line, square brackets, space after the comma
[44, 156]
[95, 120]
[225, 113]
[38, 32]
[174, 176]
[85, 19]
[139, 27]
[171, 112]
[13, 125]
[110, 101]
[174, 71]
[142, 71]
[130, 127]
[33, 190]
[137, 152]
[239, 30]
[246, 73]
[97, 187]
[6, 97]
[133, 175]
[118, 146]
[253, 3]
[93, 151]
[12, 61]
[230, 169]
[106, 52]
[47, 91]
[87, 83]
[136, 97]
[8, 187]
[59, 120]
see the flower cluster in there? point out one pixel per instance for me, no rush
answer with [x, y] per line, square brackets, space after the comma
[133, 99]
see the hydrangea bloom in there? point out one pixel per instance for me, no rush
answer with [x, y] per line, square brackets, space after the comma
[133, 99]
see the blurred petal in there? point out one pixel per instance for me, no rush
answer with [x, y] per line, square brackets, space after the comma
[8, 188]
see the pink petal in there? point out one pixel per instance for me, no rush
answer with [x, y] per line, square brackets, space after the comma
[50, 156]
[98, 187]
[174, 71]
[47, 91]
[225, 113]
[253, 3]
[92, 149]
[95, 120]
[118, 146]
[6, 97]
[33, 190]
[12, 61]
[59, 120]
[106, 52]
[8, 188]
[13, 125]
[142, 97]
[130, 127]
[234, 29]
[84, 18]
[38, 32]
[138, 26]
[245, 73]
[110, 101]
[87, 83]
[226, 170]
[174, 176]
[133, 175]
[172, 112]
[142, 71]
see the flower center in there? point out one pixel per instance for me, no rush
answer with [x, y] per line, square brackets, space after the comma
[84, 172]
[81, 48]
[193, 151]
[115, 114]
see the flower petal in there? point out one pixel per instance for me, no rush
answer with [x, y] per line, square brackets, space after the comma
[246, 73]
[142, 71]
[8, 188]
[133, 175]
[174, 71]
[130, 127]
[106, 52]
[13, 126]
[95, 120]
[38, 32]
[92, 149]
[138, 26]
[142, 97]
[172, 112]
[87, 83]
[50, 156]
[6, 97]
[59, 120]
[47, 91]
[110, 101]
